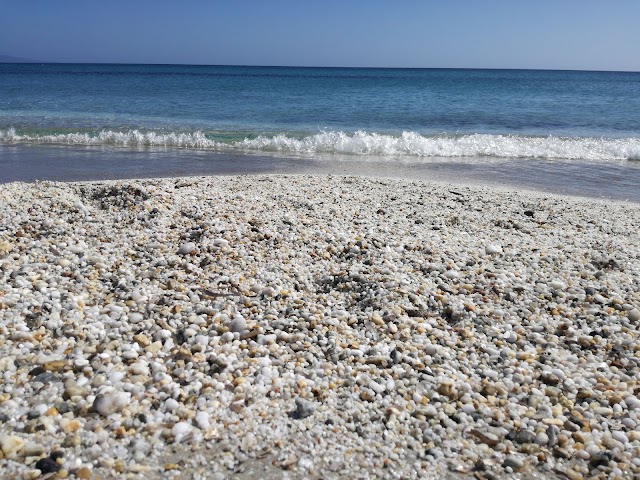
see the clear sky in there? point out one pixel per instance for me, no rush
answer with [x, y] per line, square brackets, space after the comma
[553, 34]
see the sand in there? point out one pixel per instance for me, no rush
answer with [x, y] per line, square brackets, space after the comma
[316, 327]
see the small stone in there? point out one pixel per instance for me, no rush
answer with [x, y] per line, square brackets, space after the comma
[7, 365]
[83, 473]
[634, 315]
[136, 317]
[487, 438]
[572, 474]
[367, 395]
[634, 435]
[142, 340]
[57, 455]
[525, 436]
[431, 349]
[5, 247]
[514, 462]
[46, 377]
[599, 298]
[430, 411]
[451, 274]
[63, 262]
[171, 404]
[54, 365]
[238, 324]
[130, 355]
[227, 337]
[542, 439]
[155, 347]
[134, 468]
[376, 387]
[600, 458]
[71, 441]
[492, 249]
[304, 408]
[202, 420]
[33, 450]
[33, 414]
[11, 445]
[108, 403]
[180, 430]
[187, 248]
[48, 465]
[71, 389]
[70, 425]
[32, 474]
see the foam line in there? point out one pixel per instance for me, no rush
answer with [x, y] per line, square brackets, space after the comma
[364, 144]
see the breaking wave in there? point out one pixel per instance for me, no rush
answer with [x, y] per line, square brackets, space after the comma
[360, 143]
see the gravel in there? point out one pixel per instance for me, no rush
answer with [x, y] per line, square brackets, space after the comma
[316, 327]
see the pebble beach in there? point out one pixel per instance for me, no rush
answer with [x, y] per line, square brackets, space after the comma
[316, 327]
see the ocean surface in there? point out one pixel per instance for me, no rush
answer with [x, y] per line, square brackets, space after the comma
[560, 131]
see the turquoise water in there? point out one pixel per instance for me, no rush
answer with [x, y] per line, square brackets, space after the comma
[375, 116]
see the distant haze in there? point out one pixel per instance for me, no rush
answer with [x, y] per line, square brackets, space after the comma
[10, 59]
[546, 34]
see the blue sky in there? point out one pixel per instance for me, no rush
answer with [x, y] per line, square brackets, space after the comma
[558, 34]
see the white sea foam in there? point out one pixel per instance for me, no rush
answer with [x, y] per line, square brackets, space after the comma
[408, 144]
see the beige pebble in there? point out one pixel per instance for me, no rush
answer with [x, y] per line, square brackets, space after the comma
[84, 473]
[70, 425]
[142, 340]
[11, 445]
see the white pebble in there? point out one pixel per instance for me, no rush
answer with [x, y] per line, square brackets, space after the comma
[135, 317]
[451, 274]
[180, 430]
[171, 405]
[109, 403]
[634, 315]
[202, 420]
[187, 248]
[492, 249]
[238, 324]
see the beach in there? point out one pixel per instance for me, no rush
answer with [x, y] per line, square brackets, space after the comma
[319, 326]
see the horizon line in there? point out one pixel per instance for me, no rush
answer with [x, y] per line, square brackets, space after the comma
[34, 62]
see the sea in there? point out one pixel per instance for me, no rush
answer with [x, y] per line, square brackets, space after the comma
[569, 132]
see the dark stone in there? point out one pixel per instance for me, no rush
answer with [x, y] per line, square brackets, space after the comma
[46, 377]
[602, 458]
[395, 356]
[561, 453]
[55, 455]
[47, 465]
[529, 213]
[304, 409]
[525, 436]
[33, 414]
[180, 337]
[62, 407]
[552, 433]
[36, 371]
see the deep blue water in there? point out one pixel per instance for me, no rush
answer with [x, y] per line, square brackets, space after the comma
[375, 116]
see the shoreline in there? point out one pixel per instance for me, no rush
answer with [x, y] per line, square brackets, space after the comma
[330, 326]
[583, 179]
